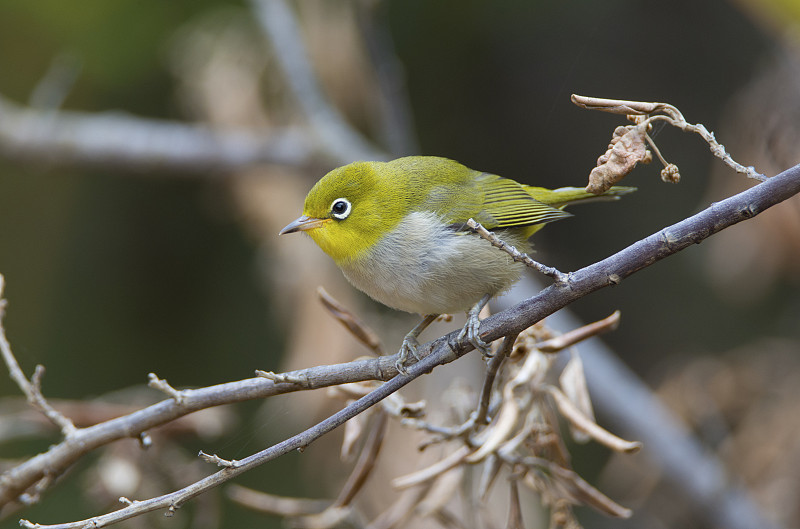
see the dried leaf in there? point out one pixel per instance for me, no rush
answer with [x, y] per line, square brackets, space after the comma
[588, 426]
[353, 431]
[278, 505]
[441, 492]
[514, 508]
[627, 148]
[366, 460]
[580, 492]
[428, 473]
[573, 382]
[491, 469]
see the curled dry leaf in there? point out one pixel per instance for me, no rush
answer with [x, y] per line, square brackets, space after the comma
[353, 431]
[573, 382]
[577, 419]
[627, 148]
[428, 473]
[578, 491]
[328, 519]
[278, 505]
[617, 106]
[441, 492]
[491, 469]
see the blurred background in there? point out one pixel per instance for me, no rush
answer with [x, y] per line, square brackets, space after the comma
[143, 257]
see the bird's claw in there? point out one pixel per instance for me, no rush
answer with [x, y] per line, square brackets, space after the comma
[470, 332]
[410, 345]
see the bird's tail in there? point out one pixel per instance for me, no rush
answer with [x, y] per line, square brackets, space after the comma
[564, 196]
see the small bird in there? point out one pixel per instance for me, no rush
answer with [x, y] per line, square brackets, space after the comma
[398, 231]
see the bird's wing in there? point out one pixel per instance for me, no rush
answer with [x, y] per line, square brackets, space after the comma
[507, 204]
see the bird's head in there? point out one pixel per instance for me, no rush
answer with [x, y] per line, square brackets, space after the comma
[350, 209]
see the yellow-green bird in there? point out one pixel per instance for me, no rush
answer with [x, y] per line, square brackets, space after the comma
[398, 232]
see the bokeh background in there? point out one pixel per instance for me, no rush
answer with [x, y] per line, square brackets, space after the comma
[114, 270]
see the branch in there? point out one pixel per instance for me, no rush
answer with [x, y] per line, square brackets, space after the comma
[174, 500]
[33, 389]
[279, 25]
[609, 271]
[666, 242]
[115, 139]
[60, 456]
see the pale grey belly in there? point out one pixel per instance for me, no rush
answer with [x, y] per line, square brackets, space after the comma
[424, 267]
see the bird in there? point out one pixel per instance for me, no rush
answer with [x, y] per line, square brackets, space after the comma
[398, 231]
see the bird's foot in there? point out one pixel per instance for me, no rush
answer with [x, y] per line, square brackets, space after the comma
[470, 329]
[410, 344]
[407, 350]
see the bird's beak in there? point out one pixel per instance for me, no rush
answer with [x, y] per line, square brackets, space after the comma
[303, 223]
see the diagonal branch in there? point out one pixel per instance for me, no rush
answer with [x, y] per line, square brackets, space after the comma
[609, 271]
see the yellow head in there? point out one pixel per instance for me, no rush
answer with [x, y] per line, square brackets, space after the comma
[351, 208]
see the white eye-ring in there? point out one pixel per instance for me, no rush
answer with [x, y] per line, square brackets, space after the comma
[341, 208]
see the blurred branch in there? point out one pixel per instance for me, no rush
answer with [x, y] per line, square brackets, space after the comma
[609, 271]
[397, 126]
[50, 135]
[279, 25]
[124, 141]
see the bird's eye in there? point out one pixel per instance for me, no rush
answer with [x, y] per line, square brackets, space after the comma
[341, 208]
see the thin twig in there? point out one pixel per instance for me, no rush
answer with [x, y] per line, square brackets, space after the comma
[163, 386]
[671, 115]
[568, 339]
[32, 389]
[515, 254]
[173, 500]
[360, 330]
[366, 460]
[609, 271]
[488, 382]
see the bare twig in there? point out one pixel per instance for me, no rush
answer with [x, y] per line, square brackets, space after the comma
[33, 389]
[670, 114]
[232, 469]
[366, 461]
[515, 254]
[594, 277]
[568, 339]
[163, 386]
[351, 322]
[488, 382]
[216, 460]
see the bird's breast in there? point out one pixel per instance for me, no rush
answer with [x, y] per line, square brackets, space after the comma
[425, 266]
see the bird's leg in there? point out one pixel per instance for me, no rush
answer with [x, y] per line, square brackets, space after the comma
[470, 330]
[410, 342]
